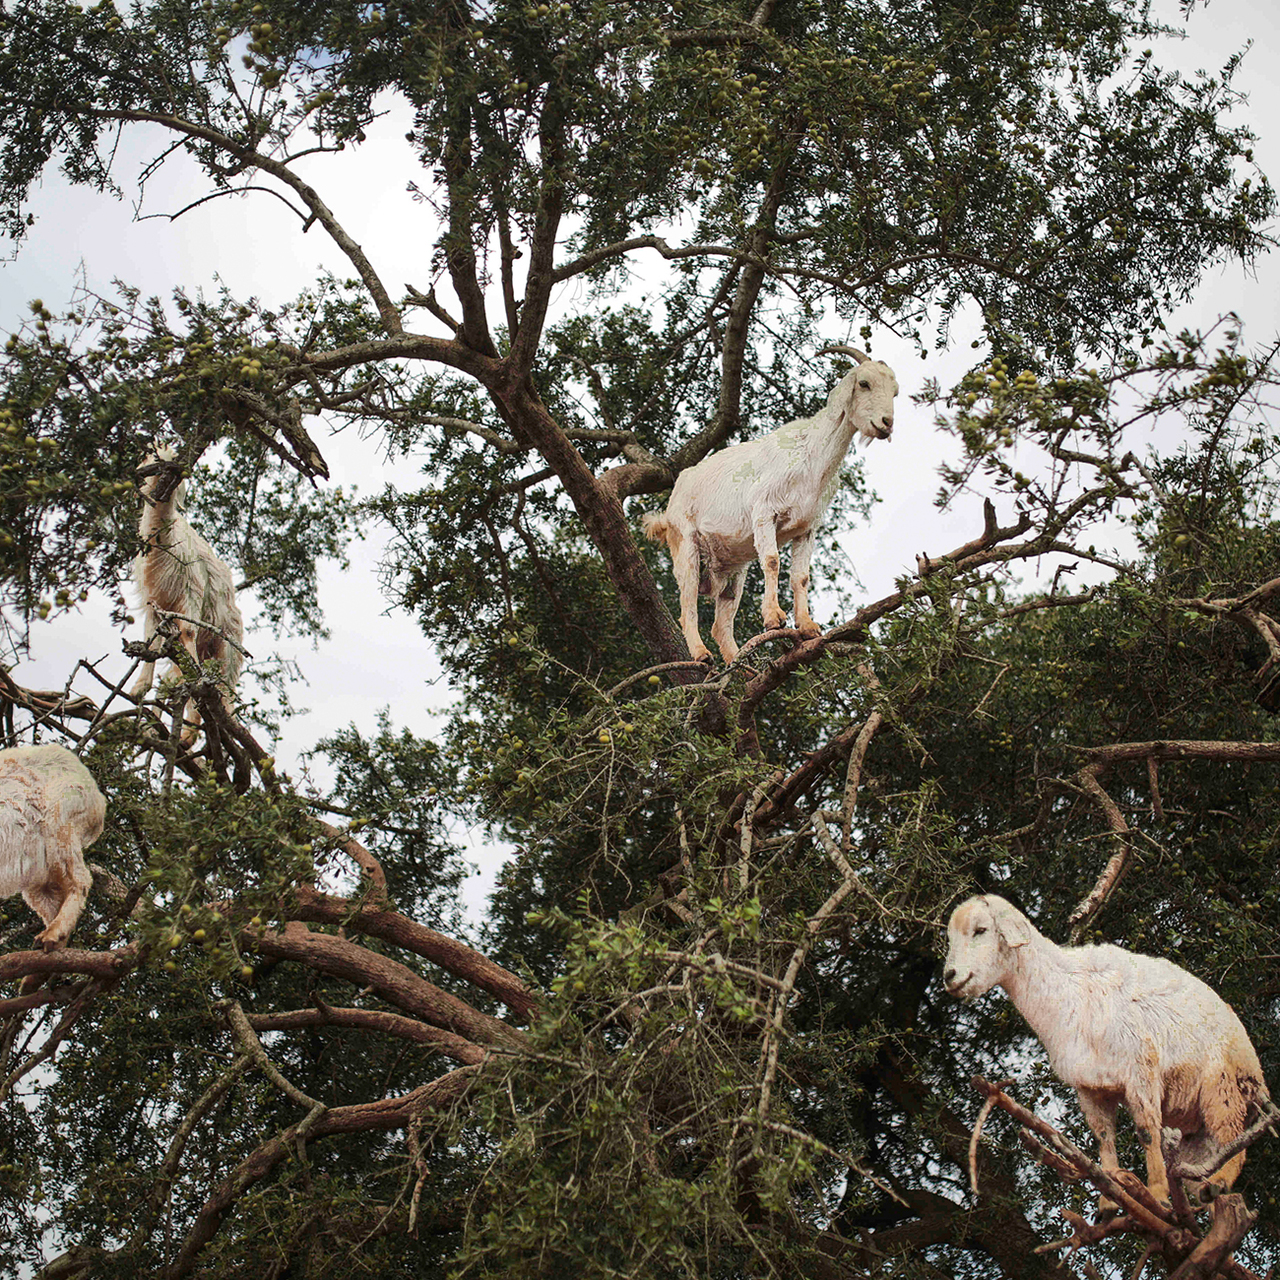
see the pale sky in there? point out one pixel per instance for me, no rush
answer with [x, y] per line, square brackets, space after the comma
[376, 659]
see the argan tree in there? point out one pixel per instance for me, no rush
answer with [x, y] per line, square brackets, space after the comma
[700, 1031]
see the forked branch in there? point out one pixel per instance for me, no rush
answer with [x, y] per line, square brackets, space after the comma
[1188, 1255]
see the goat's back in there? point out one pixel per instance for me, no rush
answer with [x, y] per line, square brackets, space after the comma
[49, 803]
[180, 572]
[1129, 1005]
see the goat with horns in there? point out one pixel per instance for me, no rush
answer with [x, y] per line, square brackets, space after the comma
[748, 500]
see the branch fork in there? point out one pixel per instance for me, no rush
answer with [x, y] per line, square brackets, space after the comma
[1169, 1231]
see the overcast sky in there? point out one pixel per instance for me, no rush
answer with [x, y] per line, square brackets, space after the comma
[254, 247]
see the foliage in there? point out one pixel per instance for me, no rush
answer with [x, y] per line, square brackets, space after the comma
[699, 1031]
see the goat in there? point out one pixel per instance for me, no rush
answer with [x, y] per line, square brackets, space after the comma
[50, 811]
[178, 572]
[745, 501]
[1118, 1027]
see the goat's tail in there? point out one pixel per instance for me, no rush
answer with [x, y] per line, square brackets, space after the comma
[656, 527]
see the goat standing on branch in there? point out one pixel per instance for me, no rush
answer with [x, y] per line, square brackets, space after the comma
[746, 501]
[50, 811]
[178, 572]
[1118, 1027]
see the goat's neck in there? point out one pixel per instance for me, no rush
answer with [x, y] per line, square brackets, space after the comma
[159, 517]
[829, 437]
[1040, 987]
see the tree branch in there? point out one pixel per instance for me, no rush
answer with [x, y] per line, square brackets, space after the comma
[394, 1024]
[391, 981]
[320, 211]
[386, 1114]
[454, 956]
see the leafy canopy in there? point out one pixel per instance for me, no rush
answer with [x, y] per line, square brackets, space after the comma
[699, 1031]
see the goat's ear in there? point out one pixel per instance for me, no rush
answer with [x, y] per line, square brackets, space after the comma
[1014, 928]
[840, 399]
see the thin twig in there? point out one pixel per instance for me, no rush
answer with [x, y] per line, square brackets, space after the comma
[987, 1107]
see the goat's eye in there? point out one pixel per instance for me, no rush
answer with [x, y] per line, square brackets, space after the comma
[864, 384]
[980, 930]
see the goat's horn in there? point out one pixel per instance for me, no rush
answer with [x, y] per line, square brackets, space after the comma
[860, 356]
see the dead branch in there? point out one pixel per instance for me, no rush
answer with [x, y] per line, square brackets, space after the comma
[1188, 1255]
[976, 1136]
[1119, 861]
[1093, 1172]
[853, 776]
[1050, 1159]
[1152, 754]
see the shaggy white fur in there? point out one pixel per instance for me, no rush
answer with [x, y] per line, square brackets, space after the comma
[179, 572]
[50, 811]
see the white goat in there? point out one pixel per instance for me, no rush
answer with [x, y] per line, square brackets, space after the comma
[50, 811]
[1119, 1027]
[179, 572]
[747, 500]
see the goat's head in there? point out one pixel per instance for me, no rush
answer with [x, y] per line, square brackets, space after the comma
[866, 394]
[982, 936]
[159, 481]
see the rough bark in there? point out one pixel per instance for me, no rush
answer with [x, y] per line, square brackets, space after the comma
[460, 960]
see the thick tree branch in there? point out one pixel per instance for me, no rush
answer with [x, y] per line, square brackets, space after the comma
[459, 242]
[1153, 753]
[391, 981]
[320, 211]
[539, 279]
[455, 957]
[602, 514]
[393, 1024]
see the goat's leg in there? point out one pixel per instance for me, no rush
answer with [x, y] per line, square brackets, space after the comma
[766, 540]
[144, 681]
[1143, 1095]
[801, 555]
[1099, 1110]
[61, 898]
[1147, 1121]
[728, 598]
[147, 676]
[1225, 1110]
[686, 565]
